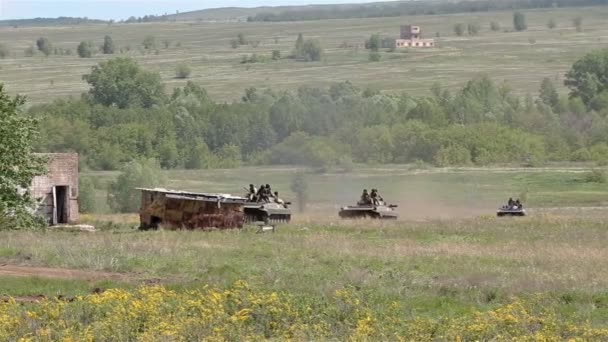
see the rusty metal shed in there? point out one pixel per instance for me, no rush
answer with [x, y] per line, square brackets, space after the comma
[190, 210]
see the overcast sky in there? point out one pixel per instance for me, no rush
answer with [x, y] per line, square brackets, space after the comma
[122, 9]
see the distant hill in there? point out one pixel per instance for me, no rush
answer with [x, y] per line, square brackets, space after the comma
[320, 12]
[374, 9]
[50, 21]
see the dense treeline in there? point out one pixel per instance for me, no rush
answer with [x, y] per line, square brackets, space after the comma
[50, 21]
[126, 116]
[388, 9]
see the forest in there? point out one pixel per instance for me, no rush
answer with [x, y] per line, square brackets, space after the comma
[126, 116]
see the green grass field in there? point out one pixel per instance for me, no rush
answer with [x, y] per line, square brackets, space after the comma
[420, 193]
[446, 257]
[521, 58]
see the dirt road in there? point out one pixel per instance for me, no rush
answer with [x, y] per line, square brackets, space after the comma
[58, 273]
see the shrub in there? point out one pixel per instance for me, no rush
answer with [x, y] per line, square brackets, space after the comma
[29, 51]
[108, 45]
[122, 196]
[85, 49]
[473, 29]
[373, 43]
[86, 195]
[595, 176]
[310, 51]
[182, 71]
[519, 21]
[459, 29]
[494, 26]
[240, 38]
[4, 52]
[44, 45]
[452, 156]
[375, 57]
[276, 55]
[578, 23]
[149, 43]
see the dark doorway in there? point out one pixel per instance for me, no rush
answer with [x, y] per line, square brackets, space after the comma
[61, 204]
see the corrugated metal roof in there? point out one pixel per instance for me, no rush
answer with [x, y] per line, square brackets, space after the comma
[202, 196]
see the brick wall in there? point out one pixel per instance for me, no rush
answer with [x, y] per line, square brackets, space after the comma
[62, 170]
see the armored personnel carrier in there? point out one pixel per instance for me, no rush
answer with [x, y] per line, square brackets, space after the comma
[264, 206]
[362, 210]
[269, 212]
[512, 210]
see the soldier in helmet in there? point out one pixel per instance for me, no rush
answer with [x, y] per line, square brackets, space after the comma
[252, 193]
[380, 199]
[510, 203]
[518, 204]
[365, 198]
[260, 194]
[268, 192]
[374, 196]
[277, 199]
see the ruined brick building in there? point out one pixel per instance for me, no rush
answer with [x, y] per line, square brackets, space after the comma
[56, 192]
[411, 36]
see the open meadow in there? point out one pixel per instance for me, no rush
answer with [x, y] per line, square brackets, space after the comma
[520, 58]
[447, 269]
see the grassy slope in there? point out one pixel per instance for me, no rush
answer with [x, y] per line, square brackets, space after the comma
[463, 258]
[520, 58]
[437, 267]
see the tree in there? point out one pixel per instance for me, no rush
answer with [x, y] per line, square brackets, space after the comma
[459, 29]
[473, 29]
[149, 42]
[310, 51]
[4, 52]
[85, 49]
[276, 55]
[299, 44]
[18, 164]
[548, 93]
[44, 45]
[551, 24]
[374, 56]
[121, 82]
[240, 38]
[374, 43]
[587, 77]
[86, 195]
[182, 71]
[495, 26]
[122, 196]
[299, 185]
[108, 45]
[519, 21]
[578, 23]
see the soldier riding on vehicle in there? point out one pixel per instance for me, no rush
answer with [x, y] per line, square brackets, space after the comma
[365, 198]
